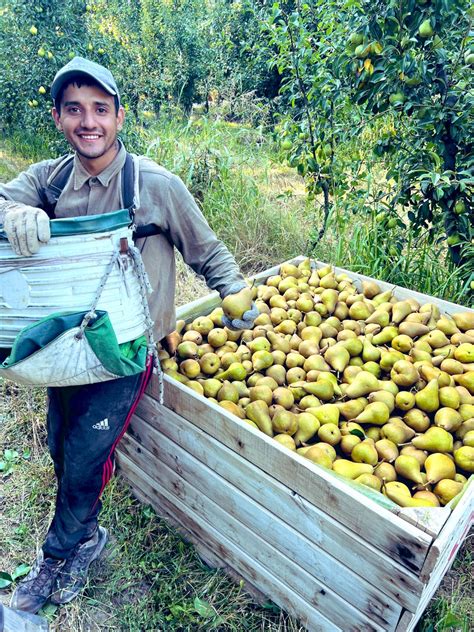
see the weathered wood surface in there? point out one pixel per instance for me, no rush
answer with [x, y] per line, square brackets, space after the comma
[398, 539]
[218, 516]
[198, 529]
[335, 546]
[284, 528]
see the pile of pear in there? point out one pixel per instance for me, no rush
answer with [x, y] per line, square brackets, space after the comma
[376, 388]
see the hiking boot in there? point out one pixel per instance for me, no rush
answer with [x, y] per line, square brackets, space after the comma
[36, 588]
[73, 575]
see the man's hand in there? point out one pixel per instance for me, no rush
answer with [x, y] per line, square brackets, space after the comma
[233, 317]
[26, 228]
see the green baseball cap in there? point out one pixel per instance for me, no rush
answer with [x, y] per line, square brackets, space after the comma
[82, 66]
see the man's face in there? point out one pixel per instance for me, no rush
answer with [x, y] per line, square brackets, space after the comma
[90, 124]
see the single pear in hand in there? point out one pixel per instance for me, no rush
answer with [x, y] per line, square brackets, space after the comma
[234, 305]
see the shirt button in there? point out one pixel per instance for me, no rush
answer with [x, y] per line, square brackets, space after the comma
[93, 180]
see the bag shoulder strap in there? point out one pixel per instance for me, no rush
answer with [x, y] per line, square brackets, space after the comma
[50, 194]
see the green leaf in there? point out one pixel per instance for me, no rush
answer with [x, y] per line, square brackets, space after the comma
[203, 608]
[5, 580]
[20, 571]
[357, 433]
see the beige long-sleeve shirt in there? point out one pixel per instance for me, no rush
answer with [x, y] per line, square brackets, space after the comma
[162, 199]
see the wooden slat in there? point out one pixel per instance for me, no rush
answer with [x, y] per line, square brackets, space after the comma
[199, 530]
[253, 542]
[328, 535]
[401, 541]
[283, 534]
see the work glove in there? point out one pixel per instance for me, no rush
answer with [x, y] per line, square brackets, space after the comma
[247, 318]
[26, 228]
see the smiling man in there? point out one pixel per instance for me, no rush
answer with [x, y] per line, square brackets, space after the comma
[86, 422]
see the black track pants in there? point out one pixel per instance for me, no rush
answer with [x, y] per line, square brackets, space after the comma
[85, 423]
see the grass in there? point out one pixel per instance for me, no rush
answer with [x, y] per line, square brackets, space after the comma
[150, 579]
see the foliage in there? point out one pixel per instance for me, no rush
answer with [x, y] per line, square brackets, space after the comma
[415, 58]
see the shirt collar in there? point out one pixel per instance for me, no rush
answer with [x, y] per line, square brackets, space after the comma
[81, 175]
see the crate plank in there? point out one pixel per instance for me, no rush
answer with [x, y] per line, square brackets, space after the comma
[282, 534]
[332, 538]
[401, 541]
[198, 530]
[253, 541]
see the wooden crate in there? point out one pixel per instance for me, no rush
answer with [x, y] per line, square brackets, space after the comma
[324, 550]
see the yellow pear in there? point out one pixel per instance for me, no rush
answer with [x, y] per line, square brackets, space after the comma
[408, 467]
[376, 413]
[438, 466]
[464, 320]
[385, 472]
[363, 384]
[258, 413]
[387, 450]
[233, 408]
[351, 470]
[435, 439]
[466, 380]
[464, 458]
[369, 480]
[319, 456]
[284, 421]
[426, 495]
[448, 418]
[365, 452]
[400, 311]
[338, 357]
[286, 441]
[308, 426]
[400, 494]
[446, 489]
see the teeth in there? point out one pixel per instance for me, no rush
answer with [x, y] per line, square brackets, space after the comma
[89, 137]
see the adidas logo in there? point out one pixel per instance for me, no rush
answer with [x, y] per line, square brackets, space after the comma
[102, 425]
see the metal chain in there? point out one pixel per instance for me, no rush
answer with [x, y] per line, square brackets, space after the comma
[145, 288]
[91, 313]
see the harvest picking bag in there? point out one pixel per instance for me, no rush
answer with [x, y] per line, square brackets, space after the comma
[79, 345]
[66, 349]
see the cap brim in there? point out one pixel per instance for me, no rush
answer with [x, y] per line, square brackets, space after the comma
[60, 81]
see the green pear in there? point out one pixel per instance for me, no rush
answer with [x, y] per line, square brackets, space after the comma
[428, 398]
[402, 343]
[348, 442]
[326, 414]
[417, 419]
[236, 371]
[385, 472]
[376, 413]
[363, 384]
[397, 433]
[308, 426]
[370, 353]
[405, 400]
[400, 311]
[262, 360]
[228, 391]
[420, 455]
[382, 298]
[286, 441]
[322, 389]
[329, 433]
[385, 336]
[449, 396]
[365, 452]
[277, 372]
[352, 408]
[435, 439]
[383, 396]
[408, 467]
[319, 456]
[284, 421]
[466, 380]
[448, 418]
[464, 320]
[338, 357]
[387, 450]
[351, 470]
[369, 480]
[403, 373]
[232, 408]
[329, 299]
[438, 466]
[258, 413]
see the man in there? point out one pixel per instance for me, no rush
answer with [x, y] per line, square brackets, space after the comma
[85, 423]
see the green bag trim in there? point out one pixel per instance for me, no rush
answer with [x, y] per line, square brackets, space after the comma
[84, 224]
[125, 359]
[90, 223]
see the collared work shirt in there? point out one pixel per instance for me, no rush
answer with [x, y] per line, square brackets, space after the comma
[162, 199]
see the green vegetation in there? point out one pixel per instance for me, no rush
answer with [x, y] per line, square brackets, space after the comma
[337, 130]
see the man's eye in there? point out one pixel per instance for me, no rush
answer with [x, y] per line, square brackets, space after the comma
[102, 110]
[73, 110]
